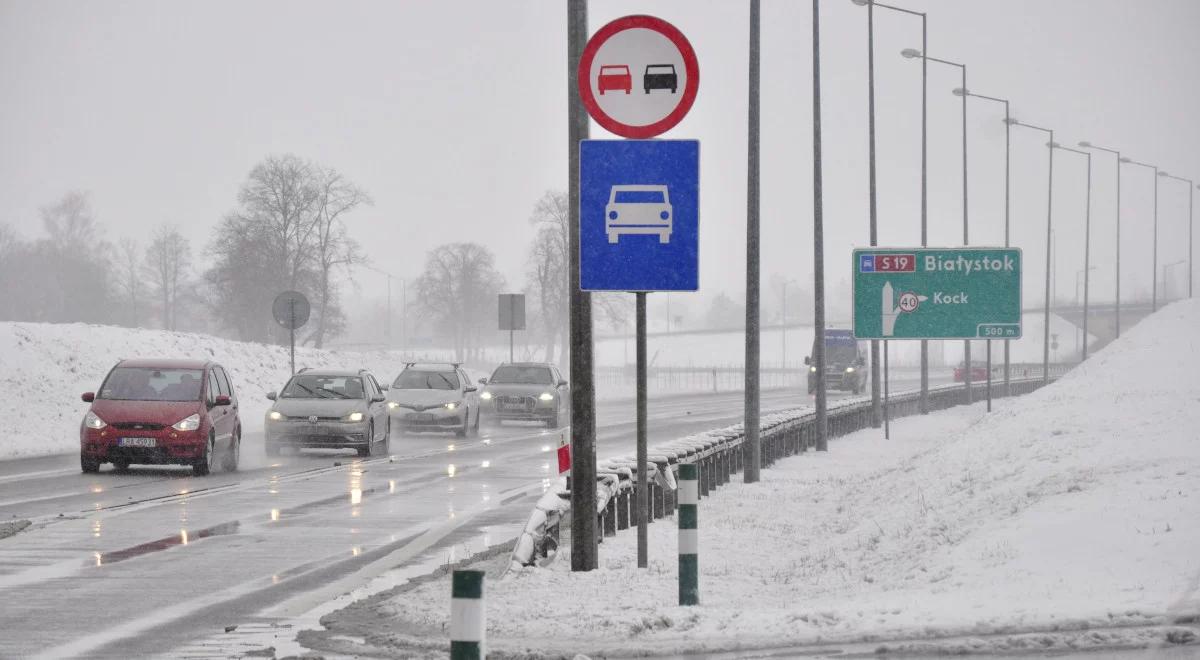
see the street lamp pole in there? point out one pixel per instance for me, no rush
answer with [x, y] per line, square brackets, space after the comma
[1087, 238]
[1049, 233]
[1117, 153]
[1007, 176]
[911, 53]
[1154, 259]
[924, 398]
[1191, 189]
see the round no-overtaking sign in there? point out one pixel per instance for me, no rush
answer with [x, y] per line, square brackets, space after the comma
[638, 76]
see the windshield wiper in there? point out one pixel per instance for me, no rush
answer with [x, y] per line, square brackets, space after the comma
[335, 393]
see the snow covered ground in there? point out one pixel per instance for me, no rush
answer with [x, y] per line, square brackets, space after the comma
[1066, 519]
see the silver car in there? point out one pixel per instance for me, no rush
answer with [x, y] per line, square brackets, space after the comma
[329, 410]
[434, 397]
[527, 391]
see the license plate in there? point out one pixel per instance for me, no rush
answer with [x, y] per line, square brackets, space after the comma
[420, 417]
[136, 442]
[514, 406]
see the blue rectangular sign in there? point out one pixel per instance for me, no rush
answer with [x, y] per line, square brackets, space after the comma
[639, 212]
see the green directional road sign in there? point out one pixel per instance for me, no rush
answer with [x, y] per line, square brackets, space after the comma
[937, 293]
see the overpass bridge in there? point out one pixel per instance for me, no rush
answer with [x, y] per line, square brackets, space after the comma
[1101, 317]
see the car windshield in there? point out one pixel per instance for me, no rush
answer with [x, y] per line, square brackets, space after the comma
[316, 386]
[149, 384]
[638, 197]
[660, 68]
[522, 375]
[614, 70]
[418, 379]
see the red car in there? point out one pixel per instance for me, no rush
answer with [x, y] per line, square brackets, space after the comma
[162, 411]
[615, 77]
[978, 372]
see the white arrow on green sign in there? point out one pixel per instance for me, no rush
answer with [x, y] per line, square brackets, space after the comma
[937, 293]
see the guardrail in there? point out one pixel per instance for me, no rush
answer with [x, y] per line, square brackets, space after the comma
[718, 455]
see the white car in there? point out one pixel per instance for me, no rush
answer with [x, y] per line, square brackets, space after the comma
[640, 209]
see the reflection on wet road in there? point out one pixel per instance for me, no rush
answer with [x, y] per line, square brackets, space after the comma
[132, 564]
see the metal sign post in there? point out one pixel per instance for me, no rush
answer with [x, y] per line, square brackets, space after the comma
[638, 199]
[291, 310]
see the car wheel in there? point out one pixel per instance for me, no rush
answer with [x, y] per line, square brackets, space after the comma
[478, 414]
[387, 439]
[203, 465]
[121, 465]
[366, 451]
[233, 454]
[89, 465]
[462, 433]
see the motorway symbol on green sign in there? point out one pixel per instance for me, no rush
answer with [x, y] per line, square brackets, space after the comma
[937, 293]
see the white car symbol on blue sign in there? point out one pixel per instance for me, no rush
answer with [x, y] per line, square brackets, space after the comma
[639, 210]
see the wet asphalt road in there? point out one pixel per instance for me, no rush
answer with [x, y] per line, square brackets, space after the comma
[125, 565]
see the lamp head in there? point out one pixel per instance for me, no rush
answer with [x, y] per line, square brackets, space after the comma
[1126, 159]
[1054, 145]
[1010, 121]
[960, 91]
[861, 3]
[1085, 144]
[911, 53]
[1163, 173]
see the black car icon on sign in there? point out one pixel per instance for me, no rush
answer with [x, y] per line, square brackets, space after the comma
[660, 76]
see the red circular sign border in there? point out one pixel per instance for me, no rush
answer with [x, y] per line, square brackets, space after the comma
[691, 66]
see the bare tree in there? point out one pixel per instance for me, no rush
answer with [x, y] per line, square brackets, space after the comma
[548, 263]
[167, 265]
[457, 290]
[335, 197]
[129, 277]
[75, 284]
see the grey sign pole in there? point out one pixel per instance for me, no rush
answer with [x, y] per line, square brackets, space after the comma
[876, 412]
[818, 235]
[584, 556]
[642, 495]
[292, 331]
[752, 450]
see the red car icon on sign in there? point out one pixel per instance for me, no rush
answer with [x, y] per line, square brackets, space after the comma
[614, 77]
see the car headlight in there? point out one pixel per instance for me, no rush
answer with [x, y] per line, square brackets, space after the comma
[189, 423]
[813, 369]
[486, 396]
[392, 405]
[354, 417]
[453, 405]
[275, 415]
[93, 421]
[849, 370]
[546, 396]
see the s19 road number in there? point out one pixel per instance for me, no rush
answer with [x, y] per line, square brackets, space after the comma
[895, 263]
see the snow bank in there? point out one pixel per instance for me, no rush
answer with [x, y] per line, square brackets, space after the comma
[1074, 507]
[45, 367]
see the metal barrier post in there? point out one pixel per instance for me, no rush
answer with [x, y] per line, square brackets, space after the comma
[467, 617]
[689, 540]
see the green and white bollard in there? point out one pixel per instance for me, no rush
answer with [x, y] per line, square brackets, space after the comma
[689, 539]
[467, 620]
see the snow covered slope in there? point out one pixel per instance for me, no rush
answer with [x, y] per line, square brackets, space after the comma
[45, 367]
[1072, 513]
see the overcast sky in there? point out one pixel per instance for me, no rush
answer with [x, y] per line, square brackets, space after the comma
[453, 116]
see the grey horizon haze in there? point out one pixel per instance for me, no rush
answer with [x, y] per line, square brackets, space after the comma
[452, 116]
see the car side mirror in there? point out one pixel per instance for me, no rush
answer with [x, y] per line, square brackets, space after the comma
[272, 395]
[470, 388]
[807, 360]
[562, 383]
[483, 381]
[88, 397]
[222, 400]
[378, 399]
[383, 388]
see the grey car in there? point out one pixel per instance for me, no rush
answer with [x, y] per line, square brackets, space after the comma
[526, 391]
[329, 410]
[434, 397]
